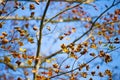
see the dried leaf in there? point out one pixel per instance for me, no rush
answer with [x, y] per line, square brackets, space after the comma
[84, 74]
[30, 39]
[29, 61]
[32, 7]
[93, 46]
[7, 59]
[34, 70]
[4, 33]
[35, 28]
[5, 41]
[20, 43]
[73, 30]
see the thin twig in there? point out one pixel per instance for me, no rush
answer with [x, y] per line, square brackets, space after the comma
[85, 32]
[85, 64]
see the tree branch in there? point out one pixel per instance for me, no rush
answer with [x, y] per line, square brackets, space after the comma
[11, 66]
[85, 32]
[84, 66]
[70, 1]
[37, 62]
[62, 12]
[39, 18]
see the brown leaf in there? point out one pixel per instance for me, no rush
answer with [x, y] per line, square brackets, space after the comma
[24, 56]
[19, 78]
[35, 28]
[20, 43]
[4, 33]
[29, 61]
[1, 25]
[7, 59]
[84, 74]
[32, 7]
[93, 46]
[30, 39]
[55, 65]
[5, 41]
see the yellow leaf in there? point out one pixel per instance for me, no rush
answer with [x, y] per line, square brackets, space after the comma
[48, 61]
[30, 39]
[65, 50]
[93, 46]
[22, 50]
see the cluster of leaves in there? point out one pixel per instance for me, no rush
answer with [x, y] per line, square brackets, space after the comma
[107, 29]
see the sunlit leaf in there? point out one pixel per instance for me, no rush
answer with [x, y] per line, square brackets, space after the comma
[29, 61]
[48, 60]
[4, 33]
[72, 55]
[30, 39]
[108, 72]
[22, 50]
[35, 28]
[84, 74]
[73, 30]
[34, 70]
[65, 50]
[93, 46]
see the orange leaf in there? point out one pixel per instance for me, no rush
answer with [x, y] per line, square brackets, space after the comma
[20, 43]
[29, 61]
[34, 70]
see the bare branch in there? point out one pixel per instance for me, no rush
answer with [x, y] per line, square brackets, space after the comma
[86, 31]
[85, 64]
[70, 1]
[37, 63]
[39, 18]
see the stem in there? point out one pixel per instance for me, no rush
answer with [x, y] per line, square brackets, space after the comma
[37, 62]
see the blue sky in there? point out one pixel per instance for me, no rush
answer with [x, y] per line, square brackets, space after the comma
[51, 43]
